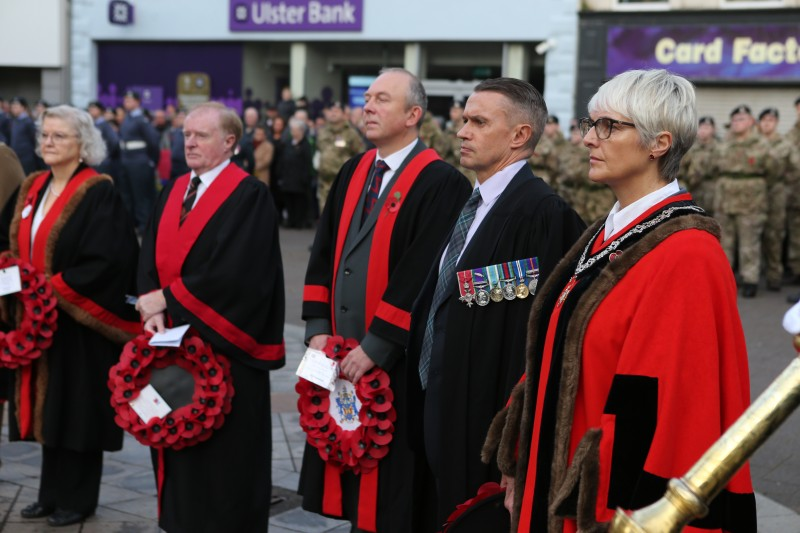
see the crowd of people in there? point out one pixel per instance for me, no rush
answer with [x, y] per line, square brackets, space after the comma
[521, 346]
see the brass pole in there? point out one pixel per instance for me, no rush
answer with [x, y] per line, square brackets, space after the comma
[688, 498]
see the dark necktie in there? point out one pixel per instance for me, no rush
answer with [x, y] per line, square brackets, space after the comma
[191, 194]
[444, 283]
[374, 188]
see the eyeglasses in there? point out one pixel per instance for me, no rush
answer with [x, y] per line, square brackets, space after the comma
[602, 126]
[57, 138]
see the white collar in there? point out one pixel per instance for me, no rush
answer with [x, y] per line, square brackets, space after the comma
[396, 159]
[618, 219]
[497, 183]
[208, 177]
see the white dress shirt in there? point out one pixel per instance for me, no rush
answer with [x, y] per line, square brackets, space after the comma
[490, 190]
[206, 180]
[619, 219]
[394, 161]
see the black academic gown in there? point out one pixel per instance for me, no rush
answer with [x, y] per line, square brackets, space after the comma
[479, 352]
[427, 212]
[94, 251]
[234, 270]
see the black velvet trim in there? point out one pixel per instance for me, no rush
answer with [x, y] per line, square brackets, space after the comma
[631, 487]
[633, 434]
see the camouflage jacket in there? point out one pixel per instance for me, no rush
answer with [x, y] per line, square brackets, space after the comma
[336, 144]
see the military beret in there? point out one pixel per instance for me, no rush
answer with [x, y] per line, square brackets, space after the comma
[457, 104]
[334, 104]
[20, 100]
[97, 104]
[707, 120]
[133, 94]
[769, 111]
[552, 119]
[741, 109]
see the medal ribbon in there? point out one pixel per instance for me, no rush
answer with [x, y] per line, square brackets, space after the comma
[520, 271]
[493, 280]
[465, 285]
[506, 272]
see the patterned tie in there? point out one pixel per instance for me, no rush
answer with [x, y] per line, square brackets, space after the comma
[191, 193]
[374, 188]
[444, 283]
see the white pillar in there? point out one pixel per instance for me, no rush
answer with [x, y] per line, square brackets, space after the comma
[413, 59]
[515, 61]
[298, 62]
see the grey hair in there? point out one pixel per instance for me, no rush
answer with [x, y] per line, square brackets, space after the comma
[298, 122]
[93, 148]
[656, 101]
[416, 95]
[527, 104]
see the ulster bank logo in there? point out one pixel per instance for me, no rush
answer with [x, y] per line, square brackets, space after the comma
[296, 15]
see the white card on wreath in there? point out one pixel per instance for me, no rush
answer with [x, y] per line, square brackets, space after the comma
[319, 369]
[791, 320]
[170, 337]
[149, 404]
[10, 280]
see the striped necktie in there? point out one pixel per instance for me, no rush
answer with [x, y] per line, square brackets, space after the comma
[374, 188]
[191, 194]
[444, 283]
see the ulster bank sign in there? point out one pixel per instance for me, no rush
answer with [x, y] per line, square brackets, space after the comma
[718, 52]
[296, 15]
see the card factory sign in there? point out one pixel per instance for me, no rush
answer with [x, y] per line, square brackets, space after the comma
[296, 15]
[735, 52]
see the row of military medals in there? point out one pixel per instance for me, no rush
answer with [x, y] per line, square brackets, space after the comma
[495, 283]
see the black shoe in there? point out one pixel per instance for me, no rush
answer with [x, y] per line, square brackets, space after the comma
[62, 517]
[749, 290]
[774, 286]
[793, 298]
[37, 510]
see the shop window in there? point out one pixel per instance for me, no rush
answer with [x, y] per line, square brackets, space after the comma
[641, 5]
[745, 4]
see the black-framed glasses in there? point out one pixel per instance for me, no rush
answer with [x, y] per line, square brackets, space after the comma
[602, 126]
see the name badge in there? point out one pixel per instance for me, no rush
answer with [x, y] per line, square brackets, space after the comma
[149, 404]
[10, 281]
[319, 369]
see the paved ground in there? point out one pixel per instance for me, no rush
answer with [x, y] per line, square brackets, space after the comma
[127, 496]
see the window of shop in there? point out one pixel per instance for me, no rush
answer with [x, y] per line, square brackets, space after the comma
[750, 4]
[641, 5]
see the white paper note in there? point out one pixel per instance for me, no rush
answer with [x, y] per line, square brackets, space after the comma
[149, 404]
[170, 338]
[319, 369]
[791, 320]
[10, 281]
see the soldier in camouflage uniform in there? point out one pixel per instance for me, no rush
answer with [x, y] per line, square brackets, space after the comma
[431, 134]
[697, 166]
[451, 145]
[792, 183]
[337, 142]
[544, 162]
[745, 165]
[591, 200]
[775, 228]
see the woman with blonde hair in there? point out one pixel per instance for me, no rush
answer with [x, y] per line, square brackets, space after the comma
[636, 356]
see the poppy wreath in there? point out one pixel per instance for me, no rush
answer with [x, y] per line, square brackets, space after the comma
[21, 346]
[189, 424]
[359, 449]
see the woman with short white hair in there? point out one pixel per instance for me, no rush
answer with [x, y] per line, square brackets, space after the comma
[69, 223]
[636, 357]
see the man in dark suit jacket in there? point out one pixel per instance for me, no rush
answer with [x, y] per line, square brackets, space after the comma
[472, 353]
[23, 136]
[109, 165]
[386, 216]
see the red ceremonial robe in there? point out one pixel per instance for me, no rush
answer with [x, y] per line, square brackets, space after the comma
[407, 235]
[639, 368]
[221, 272]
